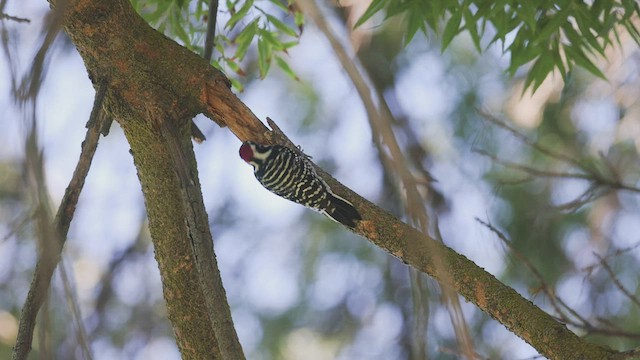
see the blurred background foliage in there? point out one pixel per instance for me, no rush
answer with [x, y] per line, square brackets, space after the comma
[555, 172]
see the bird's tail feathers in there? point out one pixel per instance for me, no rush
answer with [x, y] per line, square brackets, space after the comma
[342, 211]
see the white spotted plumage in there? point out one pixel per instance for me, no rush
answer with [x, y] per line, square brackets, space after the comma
[291, 176]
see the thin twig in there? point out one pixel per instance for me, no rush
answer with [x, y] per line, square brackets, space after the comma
[4, 16]
[587, 196]
[209, 41]
[30, 86]
[616, 281]
[618, 252]
[590, 329]
[556, 302]
[72, 302]
[542, 149]
[533, 171]
[592, 176]
[573, 313]
[550, 294]
[615, 330]
[590, 173]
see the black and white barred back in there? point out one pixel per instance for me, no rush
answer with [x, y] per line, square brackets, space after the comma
[290, 175]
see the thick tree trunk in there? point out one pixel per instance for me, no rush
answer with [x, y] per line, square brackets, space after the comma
[185, 301]
[153, 92]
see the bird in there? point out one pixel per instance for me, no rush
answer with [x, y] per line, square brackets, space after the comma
[292, 176]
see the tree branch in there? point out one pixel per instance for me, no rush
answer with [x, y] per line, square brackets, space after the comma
[48, 260]
[519, 315]
[4, 16]
[209, 41]
[504, 304]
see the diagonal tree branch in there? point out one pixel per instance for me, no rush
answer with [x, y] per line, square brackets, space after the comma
[48, 260]
[504, 304]
[519, 315]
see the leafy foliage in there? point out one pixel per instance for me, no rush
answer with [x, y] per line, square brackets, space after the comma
[549, 35]
[272, 25]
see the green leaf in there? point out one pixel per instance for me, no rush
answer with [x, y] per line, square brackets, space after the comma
[289, 44]
[234, 67]
[487, 9]
[577, 55]
[558, 61]
[216, 65]
[286, 68]
[633, 31]
[236, 84]
[239, 15]
[244, 39]
[299, 20]
[472, 27]
[220, 39]
[199, 11]
[587, 35]
[527, 13]
[629, 7]
[432, 18]
[549, 26]
[177, 28]
[578, 39]
[280, 5]
[394, 8]
[281, 26]
[617, 36]
[414, 23]
[273, 41]
[541, 68]
[161, 11]
[264, 57]
[376, 5]
[451, 29]
[520, 52]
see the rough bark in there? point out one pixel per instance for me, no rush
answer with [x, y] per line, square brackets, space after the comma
[151, 88]
[152, 79]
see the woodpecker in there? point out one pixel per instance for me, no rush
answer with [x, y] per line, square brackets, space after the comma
[292, 176]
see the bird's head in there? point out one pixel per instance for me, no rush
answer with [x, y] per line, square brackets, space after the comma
[254, 154]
